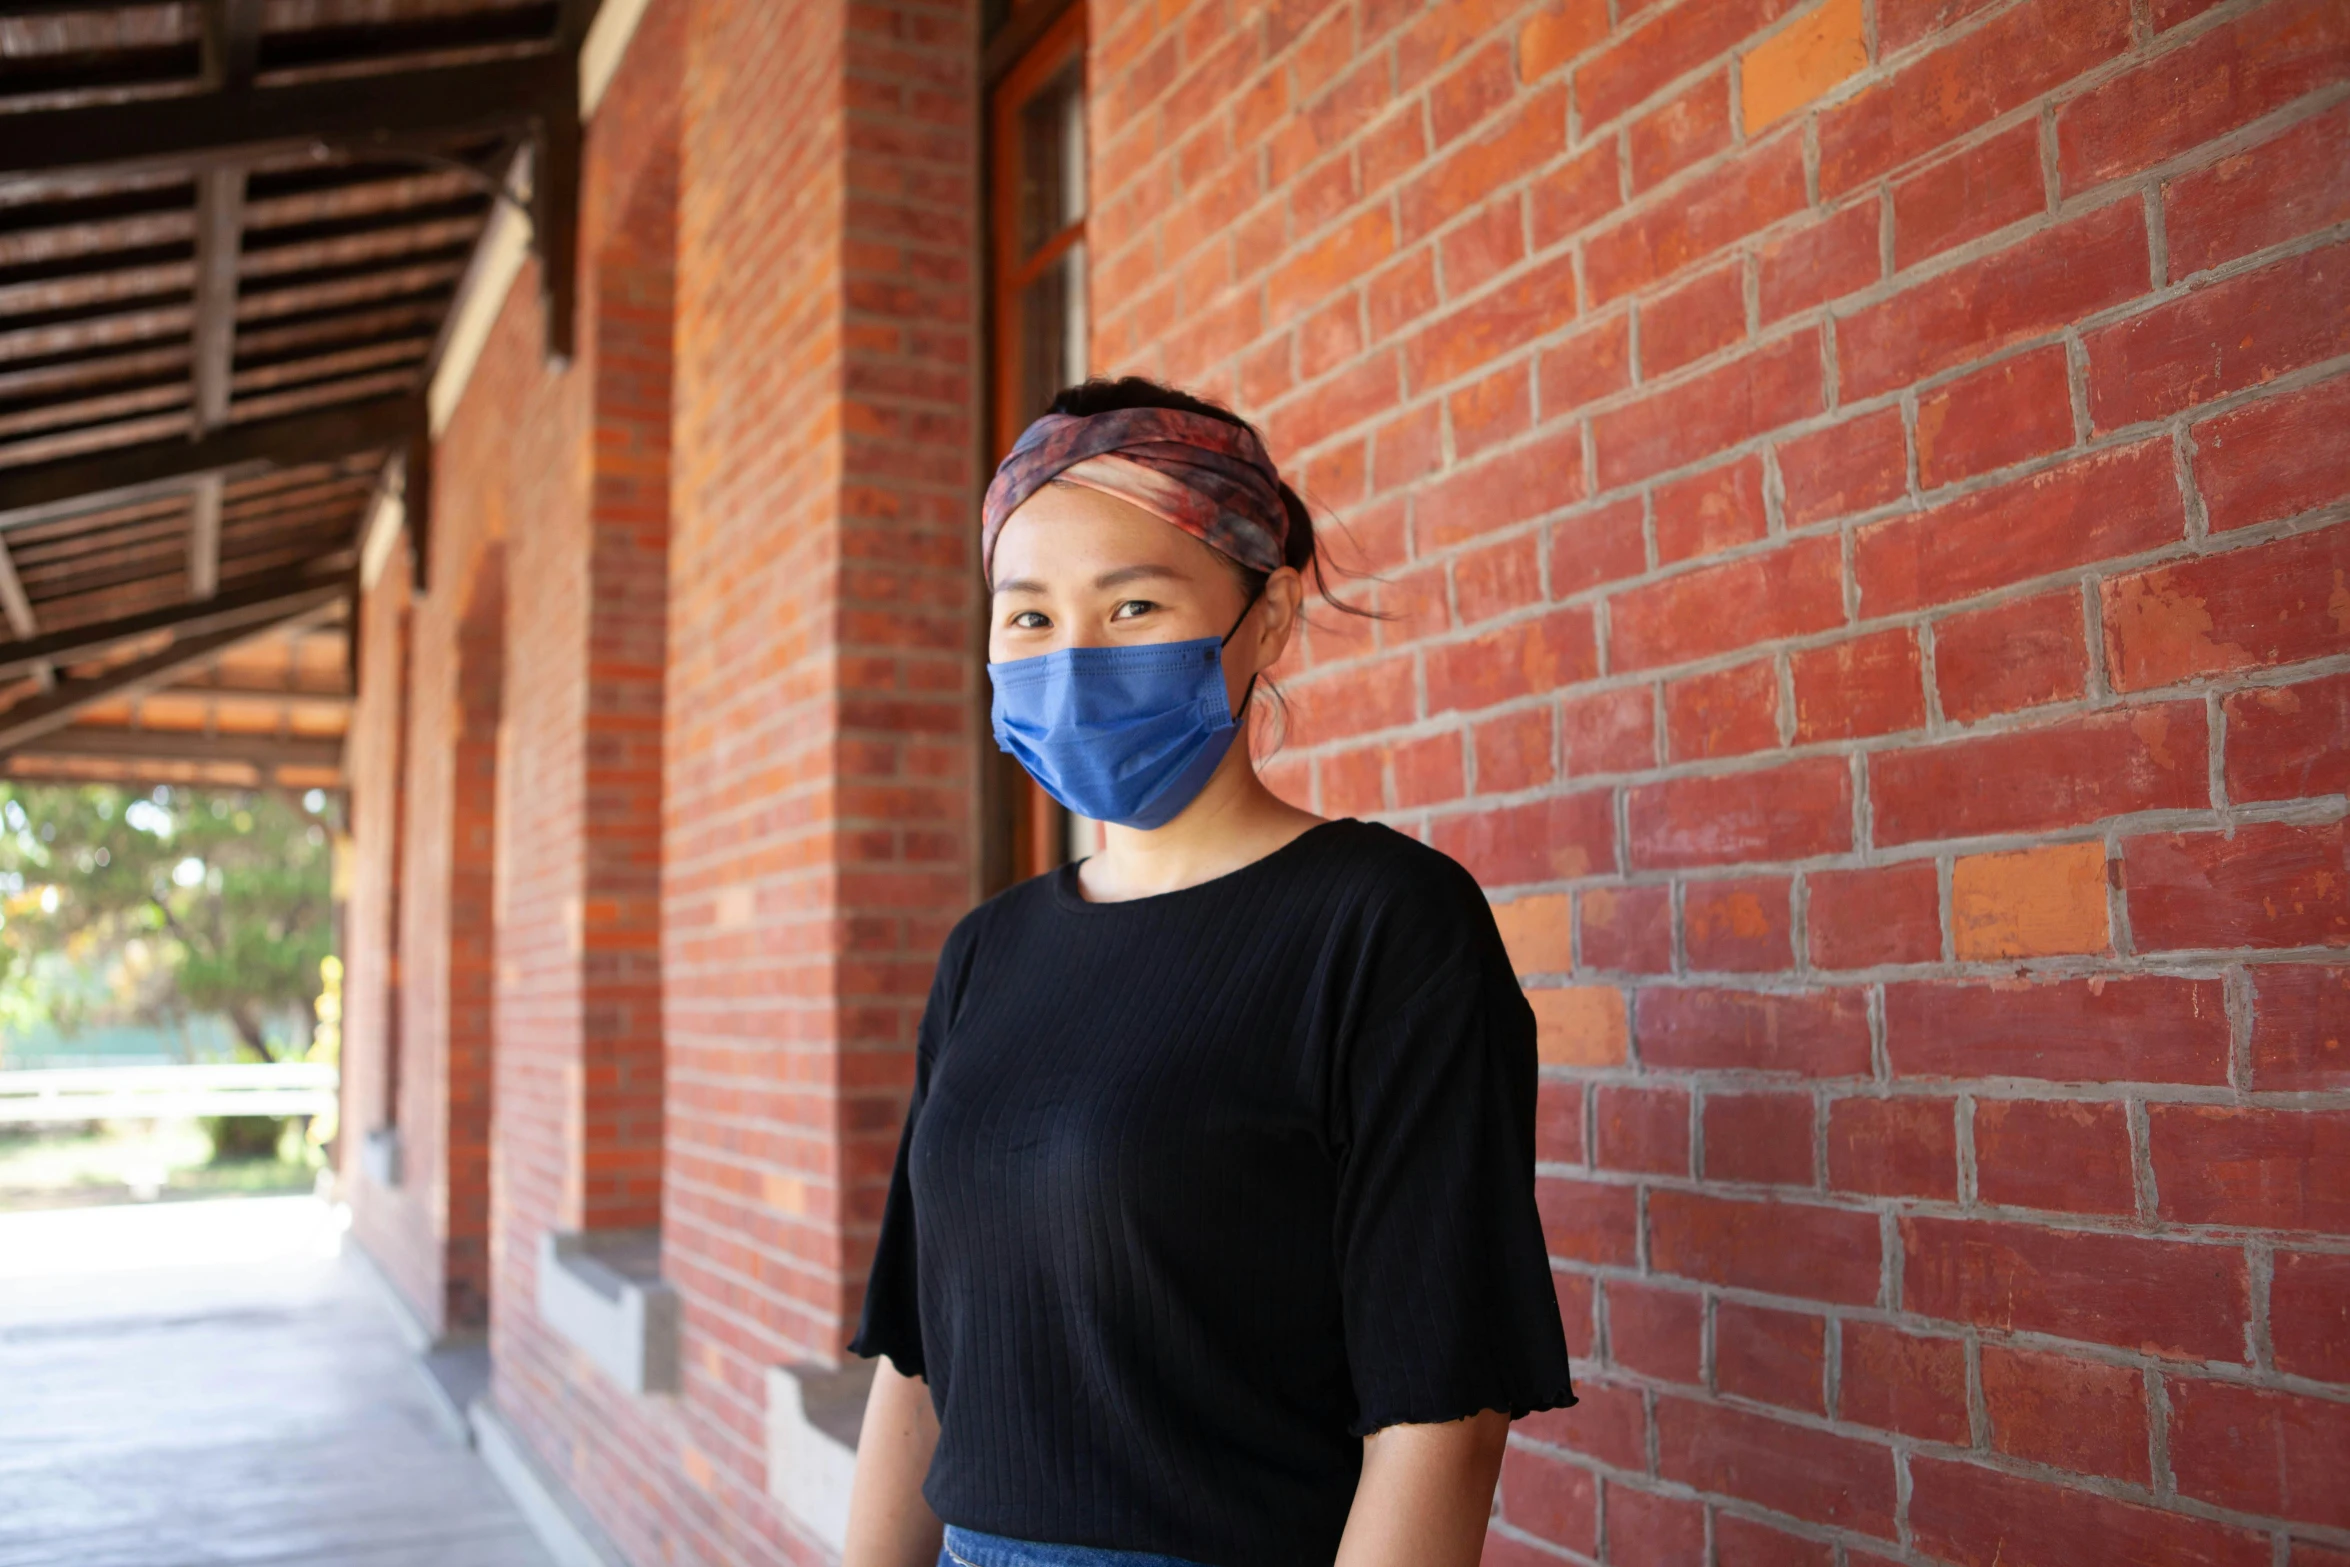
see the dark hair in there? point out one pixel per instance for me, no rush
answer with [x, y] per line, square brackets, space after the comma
[1299, 550]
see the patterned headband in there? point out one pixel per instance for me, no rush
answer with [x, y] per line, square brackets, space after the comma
[1210, 478]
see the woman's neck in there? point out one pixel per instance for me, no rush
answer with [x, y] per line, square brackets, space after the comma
[1235, 821]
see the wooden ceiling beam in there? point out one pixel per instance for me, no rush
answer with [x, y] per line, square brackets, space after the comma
[264, 753]
[268, 599]
[71, 485]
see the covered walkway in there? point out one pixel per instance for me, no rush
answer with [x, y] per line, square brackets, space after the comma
[213, 1382]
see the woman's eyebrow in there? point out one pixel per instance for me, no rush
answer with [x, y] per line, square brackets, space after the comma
[1017, 585]
[1142, 573]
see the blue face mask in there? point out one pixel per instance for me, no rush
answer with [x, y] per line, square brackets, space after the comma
[1120, 734]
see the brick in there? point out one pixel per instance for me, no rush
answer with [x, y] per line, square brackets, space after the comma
[1628, 929]
[2237, 332]
[1578, 1311]
[1551, 1500]
[1558, 1126]
[1791, 591]
[2300, 1027]
[1656, 1332]
[1663, 47]
[1799, 1470]
[1764, 1139]
[2308, 1553]
[2041, 282]
[2276, 603]
[2064, 774]
[1777, 1247]
[1773, 1357]
[2275, 458]
[2062, 1155]
[1852, 467]
[2258, 1451]
[2290, 185]
[1514, 751]
[1643, 1129]
[1801, 62]
[1589, 1221]
[1728, 712]
[1497, 579]
[1836, 256]
[1427, 771]
[1893, 1147]
[1988, 186]
[1995, 68]
[1701, 317]
[2017, 409]
[1645, 1529]
[1899, 1381]
[2267, 884]
[2025, 653]
[1713, 210]
[1341, 703]
[1710, 511]
[1327, 266]
[1885, 914]
[1611, 732]
[1741, 1542]
[1977, 1517]
[1594, 548]
[1774, 385]
[1586, 366]
[2115, 502]
[1741, 925]
[2270, 1169]
[1579, 1025]
[1823, 1033]
[2081, 1415]
[1528, 480]
[1868, 685]
[1536, 930]
[1557, 34]
[2158, 1297]
[2309, 1314]
[1609, 1421]
[1490, 411]
[1688, 129]
[1355, 781]
[2228, 77]
[1789, 812]
[1521, 141]
[1554, 839]
[2032, 903]
[2150, 1028]
[1522, 658]
[1575, 195]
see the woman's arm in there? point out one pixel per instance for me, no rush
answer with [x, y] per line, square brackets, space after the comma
[1425, 1493]
[890, 1525]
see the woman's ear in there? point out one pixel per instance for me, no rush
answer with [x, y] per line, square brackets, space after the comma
[1278, 609]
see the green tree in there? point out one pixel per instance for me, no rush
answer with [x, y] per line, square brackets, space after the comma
[152, 906]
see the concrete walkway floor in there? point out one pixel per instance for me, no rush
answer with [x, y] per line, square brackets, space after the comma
[200, 1383]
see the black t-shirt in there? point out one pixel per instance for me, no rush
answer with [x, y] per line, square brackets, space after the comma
[1197, 1189]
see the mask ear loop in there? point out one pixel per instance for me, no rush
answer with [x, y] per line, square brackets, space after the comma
[1250, 690]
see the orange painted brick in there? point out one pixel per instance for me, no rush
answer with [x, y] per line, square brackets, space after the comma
[1728, 712]
[1867, 685]
[1852, 467]
[1988, 186]
[2020, 654]
[1710, 511]
[2059, 1155]
[1742, 924]
[1579, 1025]
[1801, 62]
[2276, 603]
[1883, 914]
[2032, 903]
[1700, 317]
[1627, 929]
[1536, 931]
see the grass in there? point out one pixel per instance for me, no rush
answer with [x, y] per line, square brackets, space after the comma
[82, 1165]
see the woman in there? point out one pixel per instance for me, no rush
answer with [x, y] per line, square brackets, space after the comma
[1212, 1235]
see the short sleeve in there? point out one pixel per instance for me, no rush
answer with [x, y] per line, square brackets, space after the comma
[891, 1321]
[1444, 1276]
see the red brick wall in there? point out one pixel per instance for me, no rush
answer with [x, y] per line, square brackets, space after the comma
[1860, 491]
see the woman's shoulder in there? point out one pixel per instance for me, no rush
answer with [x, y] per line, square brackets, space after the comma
[1403, 878]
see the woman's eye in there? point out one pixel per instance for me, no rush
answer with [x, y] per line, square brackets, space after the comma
[1030, 620]
[1132, 608]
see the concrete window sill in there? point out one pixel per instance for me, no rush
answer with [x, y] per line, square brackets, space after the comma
[813, 1413]
[379, 1157]
[602, 1290]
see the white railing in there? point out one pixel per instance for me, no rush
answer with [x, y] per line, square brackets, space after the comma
[140, 1092]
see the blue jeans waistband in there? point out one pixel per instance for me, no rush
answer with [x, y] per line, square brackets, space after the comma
[970, 1548]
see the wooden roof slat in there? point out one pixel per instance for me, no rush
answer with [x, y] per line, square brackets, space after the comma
[143, 321]
[315, 394]
[364, 286]
[64, 446]
[96, 407]
[382, 242]
[260, 600]
[19, 378]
